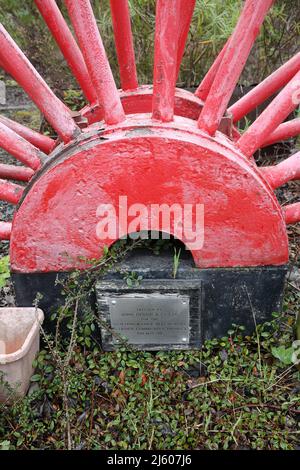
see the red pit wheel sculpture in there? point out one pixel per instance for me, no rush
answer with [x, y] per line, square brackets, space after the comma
[154, 144]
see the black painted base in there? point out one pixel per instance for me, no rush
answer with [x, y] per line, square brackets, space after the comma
[220, 297]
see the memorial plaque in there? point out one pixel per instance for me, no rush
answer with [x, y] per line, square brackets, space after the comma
[151, 318]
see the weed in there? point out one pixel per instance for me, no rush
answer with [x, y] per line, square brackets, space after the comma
[213, 21]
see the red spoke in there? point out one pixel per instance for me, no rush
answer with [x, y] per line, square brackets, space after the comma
[265, 89]
[18, 66]
[282, 105]
[186, 15]
[233, 62]
[20, 148]
[91, 45]
[42, 142]
[124, 43]
[17, 173]
[10, 192]
[285, 131]
[5, 230]
[165, 59]
[67, 44]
